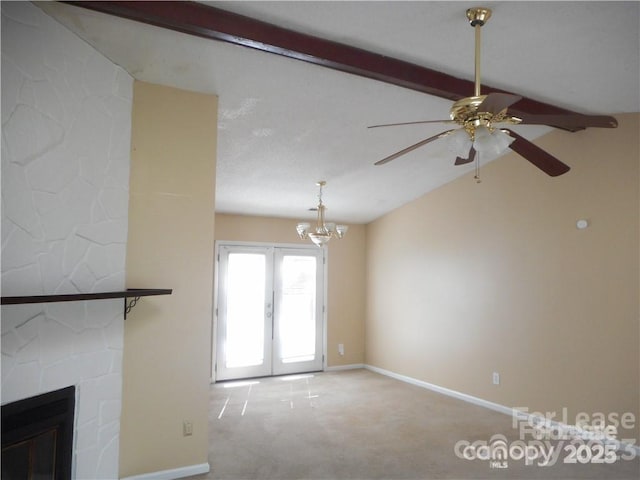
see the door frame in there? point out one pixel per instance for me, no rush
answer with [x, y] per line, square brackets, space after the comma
[214, 329]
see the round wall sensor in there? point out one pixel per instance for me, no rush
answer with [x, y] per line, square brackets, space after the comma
[582, 224]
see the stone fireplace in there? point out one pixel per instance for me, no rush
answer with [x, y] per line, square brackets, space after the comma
[79, 344]
[66, 117]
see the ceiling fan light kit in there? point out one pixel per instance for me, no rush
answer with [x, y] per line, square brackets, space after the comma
[323, 231]
[482, 118]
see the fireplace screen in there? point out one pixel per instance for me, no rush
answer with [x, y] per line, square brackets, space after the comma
[37, 437]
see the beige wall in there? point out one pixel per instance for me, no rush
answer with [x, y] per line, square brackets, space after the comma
[346, 277]
[170, 245]
[467, 280]
[476, 278]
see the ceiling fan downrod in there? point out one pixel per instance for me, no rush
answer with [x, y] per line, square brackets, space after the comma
[478, 16]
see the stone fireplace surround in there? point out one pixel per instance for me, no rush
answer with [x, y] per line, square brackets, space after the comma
[66, 121]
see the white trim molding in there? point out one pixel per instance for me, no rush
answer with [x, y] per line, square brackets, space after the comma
[563, 428]
[337, 368]
[173, 473]
[446, 391]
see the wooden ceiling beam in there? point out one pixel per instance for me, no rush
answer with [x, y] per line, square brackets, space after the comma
[213, 23]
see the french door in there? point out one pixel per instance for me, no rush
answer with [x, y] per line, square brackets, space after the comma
[269, 310]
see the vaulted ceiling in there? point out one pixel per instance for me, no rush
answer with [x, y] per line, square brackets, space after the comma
[285, 123]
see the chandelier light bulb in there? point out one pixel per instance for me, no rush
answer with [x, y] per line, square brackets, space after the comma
[341, 230]
[303, 230]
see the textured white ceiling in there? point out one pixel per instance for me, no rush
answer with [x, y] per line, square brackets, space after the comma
[284, 124]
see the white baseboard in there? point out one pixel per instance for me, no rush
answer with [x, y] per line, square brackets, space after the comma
[337, 368]
[512, 412]
[172, 474]
[446, 391]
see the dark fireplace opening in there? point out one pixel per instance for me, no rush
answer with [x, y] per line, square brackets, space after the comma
[37, 436]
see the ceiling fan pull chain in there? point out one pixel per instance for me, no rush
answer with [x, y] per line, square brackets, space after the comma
[477, 175]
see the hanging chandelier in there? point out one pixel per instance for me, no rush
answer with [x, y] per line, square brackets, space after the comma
[323, 232]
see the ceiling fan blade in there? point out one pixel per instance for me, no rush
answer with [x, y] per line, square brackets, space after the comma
[470, 158]
[411, 123]
[569, 121]
[412, 147]
[541, 159]
[496, 102]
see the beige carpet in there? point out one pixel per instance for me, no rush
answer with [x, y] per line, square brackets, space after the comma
[360, 425]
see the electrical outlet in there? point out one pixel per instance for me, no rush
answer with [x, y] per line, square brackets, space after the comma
[341, 348]
[496, 378]
[187, 428]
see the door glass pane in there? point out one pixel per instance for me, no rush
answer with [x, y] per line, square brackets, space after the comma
[297, 316]
[245, 310]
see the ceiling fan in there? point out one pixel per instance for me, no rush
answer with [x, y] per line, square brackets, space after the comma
[482, 120]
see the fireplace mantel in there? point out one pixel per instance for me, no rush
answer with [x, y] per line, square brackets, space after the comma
[131, 293]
